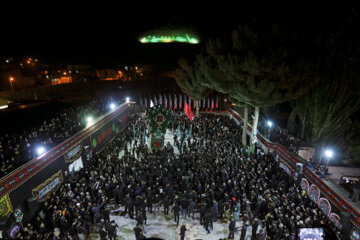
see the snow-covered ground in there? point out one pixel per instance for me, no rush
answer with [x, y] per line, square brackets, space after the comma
[164, 227]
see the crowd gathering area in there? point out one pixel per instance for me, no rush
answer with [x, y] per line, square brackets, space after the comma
[18, 147]
[200, 185]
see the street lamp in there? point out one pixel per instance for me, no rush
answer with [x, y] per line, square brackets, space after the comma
[269, 123]
[127, 99]
[11, 79]
[112, 106]
[89, 121]
[40, 150]
[329, 154]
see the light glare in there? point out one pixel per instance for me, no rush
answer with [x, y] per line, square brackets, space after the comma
[329, 153]
[112, 106]
[40, 150]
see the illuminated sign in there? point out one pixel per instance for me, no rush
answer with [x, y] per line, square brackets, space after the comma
[168, 39]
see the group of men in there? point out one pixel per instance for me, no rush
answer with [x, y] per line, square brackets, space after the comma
[213, 179]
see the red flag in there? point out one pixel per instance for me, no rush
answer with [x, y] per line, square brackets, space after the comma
[188, 112]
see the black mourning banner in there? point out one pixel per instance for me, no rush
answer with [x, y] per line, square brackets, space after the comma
[43, 191]
[73, 154]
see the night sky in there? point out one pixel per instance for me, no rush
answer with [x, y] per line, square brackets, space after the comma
[106, 35]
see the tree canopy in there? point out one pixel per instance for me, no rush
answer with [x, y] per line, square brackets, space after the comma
[188, 78]
[328, 108]
[259, 65]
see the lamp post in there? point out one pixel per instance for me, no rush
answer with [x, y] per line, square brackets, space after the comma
[89, 121]
[11, 79]
[269, 123]
[112, 106]
[40, 150]
[329, 154]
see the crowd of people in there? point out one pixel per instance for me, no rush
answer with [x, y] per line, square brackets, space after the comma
[321, 170]
[352, 185]
[213, 179]
[280, 135]
[277, 134]
[18, 146]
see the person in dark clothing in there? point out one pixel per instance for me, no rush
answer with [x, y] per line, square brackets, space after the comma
[176, 210]
[231, 229]
[117, 194]
[202, 215]
[254, 228]
[80, 231]
[111, 229]
[182, 232]
[138, 232]
[243, 231]
[192, 208]
[261, 235]
[138, 204]
[166, 205]
[209, 217]
[130, 208]
[139, 220]
[207, 220]
[103, 234]
[221, 208]
[184, 207]
[149, 203]
[143, 214]
[64, 225]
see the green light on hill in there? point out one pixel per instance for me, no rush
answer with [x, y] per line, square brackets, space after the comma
[169, 39]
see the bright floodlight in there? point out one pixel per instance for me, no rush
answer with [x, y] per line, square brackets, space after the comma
[40, 150]
[127, 99]
[112, 106]
[89, 121]
[329, 153]
[270, 123]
